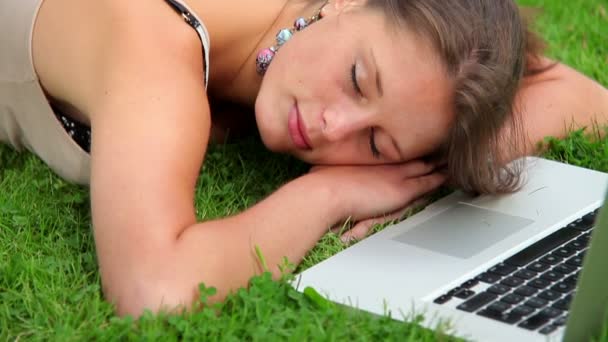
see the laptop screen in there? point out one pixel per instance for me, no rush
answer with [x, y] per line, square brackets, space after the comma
[590, 305]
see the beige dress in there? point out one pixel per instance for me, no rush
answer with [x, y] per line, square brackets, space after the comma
[27, 120]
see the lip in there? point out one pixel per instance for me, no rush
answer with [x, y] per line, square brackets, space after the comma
[297, 129]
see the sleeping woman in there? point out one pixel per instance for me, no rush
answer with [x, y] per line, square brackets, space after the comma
[390, 98]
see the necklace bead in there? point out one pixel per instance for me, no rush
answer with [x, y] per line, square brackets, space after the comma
[300, 24]
[265, 56]
[283, 36]
[263, 60]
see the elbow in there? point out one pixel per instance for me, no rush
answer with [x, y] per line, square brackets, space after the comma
[145, 294]
[161, 292]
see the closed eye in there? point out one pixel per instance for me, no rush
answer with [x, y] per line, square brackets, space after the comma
[372, 144]
[353, 77]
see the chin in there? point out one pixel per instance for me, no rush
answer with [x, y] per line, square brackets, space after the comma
[271, 143]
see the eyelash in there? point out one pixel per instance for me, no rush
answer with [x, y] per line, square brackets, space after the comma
[372, 144]
[372, 140]
[353, 78]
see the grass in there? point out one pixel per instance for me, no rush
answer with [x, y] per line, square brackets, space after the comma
[49, 282]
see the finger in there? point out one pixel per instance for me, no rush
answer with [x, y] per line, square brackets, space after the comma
[416, 168]
[359, 231]
[316, 168]
[362, 228]
[343, 226]
[422, 185]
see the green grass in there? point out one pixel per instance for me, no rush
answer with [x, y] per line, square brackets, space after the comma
[49, 282]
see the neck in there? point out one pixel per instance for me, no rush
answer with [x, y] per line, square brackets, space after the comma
[238, 30]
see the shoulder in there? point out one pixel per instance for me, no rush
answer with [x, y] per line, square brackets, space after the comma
[99, 38]
[156, 38]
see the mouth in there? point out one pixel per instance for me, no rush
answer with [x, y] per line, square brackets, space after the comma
[297, 129]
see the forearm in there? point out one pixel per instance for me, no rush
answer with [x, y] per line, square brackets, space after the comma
[157, 265]
[221, 253]
[286, 224]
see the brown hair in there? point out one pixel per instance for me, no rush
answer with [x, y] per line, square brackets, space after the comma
[487, 49]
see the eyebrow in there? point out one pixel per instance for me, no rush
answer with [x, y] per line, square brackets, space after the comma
[378, 80]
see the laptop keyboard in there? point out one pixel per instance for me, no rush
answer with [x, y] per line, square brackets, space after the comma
[532, 289]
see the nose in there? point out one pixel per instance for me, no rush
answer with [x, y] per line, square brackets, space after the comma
[339, 123]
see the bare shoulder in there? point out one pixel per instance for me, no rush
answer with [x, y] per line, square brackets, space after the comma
[560, 99]
[76, 44]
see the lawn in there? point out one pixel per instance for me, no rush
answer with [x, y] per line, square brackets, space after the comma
[49, 282]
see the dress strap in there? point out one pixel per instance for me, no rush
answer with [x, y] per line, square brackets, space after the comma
[193, 20]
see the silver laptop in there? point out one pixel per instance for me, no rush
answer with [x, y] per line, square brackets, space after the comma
[497, 268]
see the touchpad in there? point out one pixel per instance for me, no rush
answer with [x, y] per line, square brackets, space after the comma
[463, 231]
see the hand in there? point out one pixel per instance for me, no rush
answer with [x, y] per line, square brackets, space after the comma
[371, 191]
[363, 228]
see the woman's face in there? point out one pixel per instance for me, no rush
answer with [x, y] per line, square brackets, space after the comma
[350, 89]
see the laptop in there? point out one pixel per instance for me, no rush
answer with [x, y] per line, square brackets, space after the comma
[497, 268]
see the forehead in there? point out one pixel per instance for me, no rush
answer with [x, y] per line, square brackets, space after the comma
[406, 60]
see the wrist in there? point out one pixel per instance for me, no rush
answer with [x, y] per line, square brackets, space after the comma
[325, 193]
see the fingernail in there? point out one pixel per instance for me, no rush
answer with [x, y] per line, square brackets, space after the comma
[346, 239]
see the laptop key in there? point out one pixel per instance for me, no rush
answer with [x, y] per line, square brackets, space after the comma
[563, 287]
[453, 291]
[550, 295]
[523, 310]
[590, 218]
[502, 269]
[469, 283]
[548, 329]
[512, 281]
[512, 298]
[564, 268]
[536, 302]
[498, 307]
[551, 259]
[525, 274]
[464, 293]
[489, 278]
[499, 289]
[539, 283]
[534, 322]
[561, 321]
[538, 267]
[477, 301]
[581, 224]
[509, 318]
[564, 252]
[572, 279]
[562, 304]
[584, 239]
[526, 291]
[541, 247]
[576, 245]
[576, 260]
[551, 312]
[552, 275]
[442, 299]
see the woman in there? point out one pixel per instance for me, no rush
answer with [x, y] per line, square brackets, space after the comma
[368, 88]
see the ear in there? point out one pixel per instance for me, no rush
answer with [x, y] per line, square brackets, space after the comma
[333, 7]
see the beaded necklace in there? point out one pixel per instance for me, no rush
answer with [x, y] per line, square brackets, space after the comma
[265, 56]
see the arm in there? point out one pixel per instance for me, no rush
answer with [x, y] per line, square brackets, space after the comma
[151, 126]
[558, 100]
